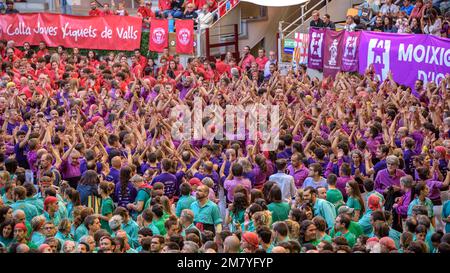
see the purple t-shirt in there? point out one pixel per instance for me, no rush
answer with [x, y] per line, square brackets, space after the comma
[384, 179]
[299, 175]
[170, 183]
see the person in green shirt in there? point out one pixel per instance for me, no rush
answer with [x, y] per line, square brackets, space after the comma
[281, 232]
[107, 206]
[265, 238]
[185, 200]
[32, 198]
[146, 221]
[51, 210]
[37, 234]
[20, 235]
[354, 199]
[63, 233]
[278, 208]
[8, 194]
[143, 195]
[236, 212]
[342, 224]
[158, 218]
[187, 222]
[334, 195]
[129, 225]
[321, 226]
[20, 203]
[143, 234]
[206, 212]
[354, 227]
[308, 232]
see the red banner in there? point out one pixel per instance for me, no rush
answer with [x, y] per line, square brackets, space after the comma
[104, 32]
[159, 35]
[332, 56]
[185, 36]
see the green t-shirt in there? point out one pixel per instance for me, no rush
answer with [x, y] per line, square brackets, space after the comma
[107, 207]
[280, 211]
[184, 202]
[334, 196]
[160, 225]
[354, 228]
[354, 204]
[351, 239]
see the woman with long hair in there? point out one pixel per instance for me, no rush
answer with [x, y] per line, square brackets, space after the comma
[124, 192]
[308, 232]
[7, 232]
[236, 212]
[419, 197]
[105, 189]
[354, 199]
[88, 186]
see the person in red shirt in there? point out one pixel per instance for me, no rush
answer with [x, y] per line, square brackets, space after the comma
[164, 5]
[136, 68]
[247, 59]
[107, 10]
[94, 10]
[145, 11]
[222, 67]
[261, 60]
[141, 59]
[43, 51]
[212, 5]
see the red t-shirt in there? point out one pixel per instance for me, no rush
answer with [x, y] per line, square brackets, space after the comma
[261, 62]
[145, 12]
[222, 67]
[164, 4]
[95, 12]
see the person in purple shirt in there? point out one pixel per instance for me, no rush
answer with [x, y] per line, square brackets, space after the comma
[402, 203]
[114, 171]
[298, 170]
[125, 193]
[389, 177]
[206, 170]
[237, 172]
[169, 180]
[381, 154]
[408, 155]
[344, 177]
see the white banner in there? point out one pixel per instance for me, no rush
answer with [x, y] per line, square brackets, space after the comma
[278, 3]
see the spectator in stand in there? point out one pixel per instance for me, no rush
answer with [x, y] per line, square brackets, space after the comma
[445, 30]
[261, 60]
[389, 9]
[176, 9]
[107, 10]
[120, 10]
[145, 11]
[316, 21]
[359, 25]
[415, 26]
[189, 12]
[407, 7]
[349, 24]
[205, 17]
[94, 10]
[431, 23]
[272, 61]
[327, 22]
[388, 26]
[221, 66]
[66, 6]
[417, 11]
[247, 59]
[10, 8]
[368, 10]
[378, 25]
[163, 5]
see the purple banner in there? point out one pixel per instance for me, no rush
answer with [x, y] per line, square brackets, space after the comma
[408, 56]
[350, 55]
[316, 44]
[332, 56]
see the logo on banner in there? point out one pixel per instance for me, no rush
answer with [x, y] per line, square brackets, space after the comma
[350, 46]
[184, 36]
[159, 35]
[333, 53]
[316, 44]
[378, 55]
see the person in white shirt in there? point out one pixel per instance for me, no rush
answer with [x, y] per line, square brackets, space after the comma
[284, 181]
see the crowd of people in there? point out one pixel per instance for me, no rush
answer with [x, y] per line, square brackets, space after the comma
[89, 163]
[401, 16]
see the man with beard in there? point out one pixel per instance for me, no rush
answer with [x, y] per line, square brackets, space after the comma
[321, 207]
[206, 212]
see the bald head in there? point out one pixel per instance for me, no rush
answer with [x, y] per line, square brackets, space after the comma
[116, 162]
[231, 244]
[19, 215]
[279, 249]
[22, 248]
